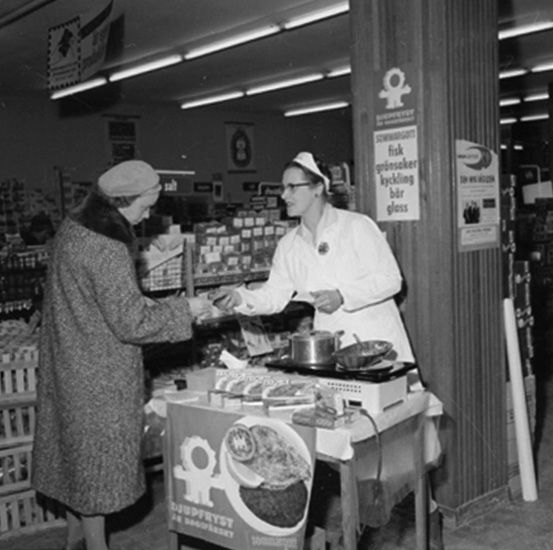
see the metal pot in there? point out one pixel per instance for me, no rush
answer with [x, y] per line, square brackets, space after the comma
[314, 347]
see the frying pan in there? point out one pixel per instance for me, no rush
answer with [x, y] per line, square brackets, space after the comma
[363, 354]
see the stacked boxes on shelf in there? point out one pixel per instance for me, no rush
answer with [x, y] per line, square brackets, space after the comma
[12, 207]
[243, 243]
[21, 509]
[22, 276]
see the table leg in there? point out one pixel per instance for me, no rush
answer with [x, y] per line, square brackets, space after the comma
[172, 536]
[172, 541]
[350, 504]
[421, 493]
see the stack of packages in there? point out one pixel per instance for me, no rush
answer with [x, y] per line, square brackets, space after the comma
[12, 208]
[517, 286]
[243, 243]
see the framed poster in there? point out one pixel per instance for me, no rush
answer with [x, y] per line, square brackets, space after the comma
[240, 147]
[478, 212]
[121, 134]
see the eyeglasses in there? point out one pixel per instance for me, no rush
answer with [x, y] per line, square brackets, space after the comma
[293, 186]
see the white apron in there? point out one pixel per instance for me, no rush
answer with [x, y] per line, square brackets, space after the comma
[352, 256]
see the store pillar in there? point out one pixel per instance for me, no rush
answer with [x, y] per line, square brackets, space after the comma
[425, 84]
[550, 126]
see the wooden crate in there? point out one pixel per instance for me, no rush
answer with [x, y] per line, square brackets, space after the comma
[15, 469]
[17, 378]
[25, 512]
[17, 421]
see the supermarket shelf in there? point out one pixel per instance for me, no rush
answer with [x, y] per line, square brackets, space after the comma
[230, 277]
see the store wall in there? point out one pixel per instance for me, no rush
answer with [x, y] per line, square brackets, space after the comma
[38, 134]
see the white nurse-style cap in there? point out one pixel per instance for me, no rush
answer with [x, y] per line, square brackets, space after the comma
[307, 161]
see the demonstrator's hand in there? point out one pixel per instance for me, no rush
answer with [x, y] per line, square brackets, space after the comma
[327, 301]
[225, 298]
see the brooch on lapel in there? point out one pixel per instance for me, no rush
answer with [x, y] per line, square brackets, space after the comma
[323, 249]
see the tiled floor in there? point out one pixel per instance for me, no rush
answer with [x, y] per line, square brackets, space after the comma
[515, 525]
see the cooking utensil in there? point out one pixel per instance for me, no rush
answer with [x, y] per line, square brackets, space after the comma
[314, 347]
[363, 354]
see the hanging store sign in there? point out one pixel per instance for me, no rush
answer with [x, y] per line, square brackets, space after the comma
[76, 48]
[477, 196]
[396, 152]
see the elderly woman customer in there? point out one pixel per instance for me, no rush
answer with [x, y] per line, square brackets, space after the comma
[90, 376]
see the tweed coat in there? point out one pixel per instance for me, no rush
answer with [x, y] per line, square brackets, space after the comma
[90, 392]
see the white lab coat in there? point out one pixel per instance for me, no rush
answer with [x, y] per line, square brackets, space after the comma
[358, 262]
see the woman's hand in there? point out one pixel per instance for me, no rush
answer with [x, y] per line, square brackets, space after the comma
[327, 301]
[200, 307]
[225, 298]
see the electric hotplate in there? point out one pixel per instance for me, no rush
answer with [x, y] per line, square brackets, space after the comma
[380, 372]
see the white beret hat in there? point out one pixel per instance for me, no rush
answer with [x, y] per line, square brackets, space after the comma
[131, 177]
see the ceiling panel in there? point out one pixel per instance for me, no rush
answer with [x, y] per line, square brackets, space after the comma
[143, 29]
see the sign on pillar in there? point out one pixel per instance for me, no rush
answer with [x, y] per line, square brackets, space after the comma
[396, 151]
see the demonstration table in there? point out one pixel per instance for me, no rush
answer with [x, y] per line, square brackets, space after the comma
[396, 448]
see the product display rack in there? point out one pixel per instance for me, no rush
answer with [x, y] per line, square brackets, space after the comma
[21, 509]
[22, 275]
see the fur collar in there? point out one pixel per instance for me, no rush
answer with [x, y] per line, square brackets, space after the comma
[100, 216]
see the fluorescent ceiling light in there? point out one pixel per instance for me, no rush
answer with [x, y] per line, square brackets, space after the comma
[530, 118]
[146, 67]
[232, 41]
[339, 72]
[88, 85]
[317, 108]
[212, 99]
[518, 147]
[525, 29]
[503, 146]
[509, 101]
[318, 15]
[284, 84]
[537, 97]
[512, 73]
[509, 120]
[543, 67]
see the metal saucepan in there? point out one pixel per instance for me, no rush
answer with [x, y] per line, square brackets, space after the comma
[314, 347]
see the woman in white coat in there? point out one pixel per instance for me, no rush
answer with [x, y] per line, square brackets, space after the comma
[338, 260]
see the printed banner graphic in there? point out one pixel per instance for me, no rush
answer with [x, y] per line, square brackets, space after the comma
[77, 48]
[396, 148]
[240, 481]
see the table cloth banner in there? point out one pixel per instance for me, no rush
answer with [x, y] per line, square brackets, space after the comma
[217, 458]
